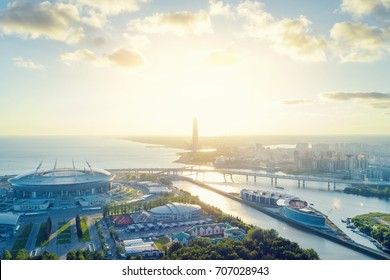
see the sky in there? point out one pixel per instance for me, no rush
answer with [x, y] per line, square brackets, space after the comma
[148, 67]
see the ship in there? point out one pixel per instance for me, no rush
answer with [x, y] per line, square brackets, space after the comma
[290, 207]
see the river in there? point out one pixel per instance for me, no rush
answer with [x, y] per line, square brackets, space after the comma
[335, 204]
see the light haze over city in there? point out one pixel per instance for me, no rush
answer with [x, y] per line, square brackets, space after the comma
[72, 67]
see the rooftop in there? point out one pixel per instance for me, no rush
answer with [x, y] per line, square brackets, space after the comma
[9, 219]
[61, 176]
[175, 208]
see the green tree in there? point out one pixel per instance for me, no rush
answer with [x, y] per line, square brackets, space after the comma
[174, 247]
[78, 227]
[6, 255]
[22, 255]
[48, 228]
[49, 256]
[71, 255]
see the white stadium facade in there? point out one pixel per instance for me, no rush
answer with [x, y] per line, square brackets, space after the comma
[61, 182]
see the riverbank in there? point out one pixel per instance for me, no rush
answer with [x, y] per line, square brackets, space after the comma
[349, 244]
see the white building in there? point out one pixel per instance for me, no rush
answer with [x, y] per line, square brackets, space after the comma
[176, 211]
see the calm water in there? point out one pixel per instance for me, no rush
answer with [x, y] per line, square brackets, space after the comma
[21, 154]
[325, 248]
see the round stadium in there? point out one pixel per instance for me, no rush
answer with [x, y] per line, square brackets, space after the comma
[176, 211]
[61, 182]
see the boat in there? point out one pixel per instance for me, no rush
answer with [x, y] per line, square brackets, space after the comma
[343, 221]
[279, 187]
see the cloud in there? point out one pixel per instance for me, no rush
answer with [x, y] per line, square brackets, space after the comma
[297, 101]
[121, 57]
[292, 37]
[57, 21]
[178, 23]
[222, 58]
[126, 58]
[359, 42]
[218, 8]
[27, 63]
[360, 8]
[376, 100]
[114, 7]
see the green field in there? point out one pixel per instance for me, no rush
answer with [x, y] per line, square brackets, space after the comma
[161, 242]
[64, 235]
[84, 228]
[22, 239]
[41, 236]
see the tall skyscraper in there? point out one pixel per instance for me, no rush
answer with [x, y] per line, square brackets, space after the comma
[195, 136]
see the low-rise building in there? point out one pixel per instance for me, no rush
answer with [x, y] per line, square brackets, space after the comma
[32, 205]
[147, 249]
[8, 224]
[181, 237]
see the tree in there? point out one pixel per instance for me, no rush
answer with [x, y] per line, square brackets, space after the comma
[21, 255]
[175, 246]
[78, 227]
[49, 256]
[71, 255]
[48, 228]
[7, 255]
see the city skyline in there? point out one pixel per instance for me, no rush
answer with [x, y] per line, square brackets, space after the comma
[140, 67]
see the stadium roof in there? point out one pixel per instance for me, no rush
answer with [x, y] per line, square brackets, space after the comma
[64, 176]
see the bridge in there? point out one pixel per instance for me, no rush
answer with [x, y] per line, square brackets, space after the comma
[301, 180]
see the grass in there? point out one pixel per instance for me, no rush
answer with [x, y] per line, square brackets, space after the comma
[26, 232]
[19, 244]
[64, 241]
[22, 239]
[84, 229]
[161, 242]
[41, 235]
[64, 236]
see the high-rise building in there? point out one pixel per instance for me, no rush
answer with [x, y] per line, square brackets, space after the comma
[195, 136]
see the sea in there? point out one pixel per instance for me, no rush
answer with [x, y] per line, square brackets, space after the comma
[23, 154]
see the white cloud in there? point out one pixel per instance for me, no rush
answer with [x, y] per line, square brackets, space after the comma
[70, 58]
[292, 37]
[125, 58]
[297, 101]
[359, 42]
[121, 57]
[377, 100]
[218, 8]
[136, 41]
[27, 63]
[57, 21]
[222, 58]
[114, 7]
[365, 7]
[178, 23]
